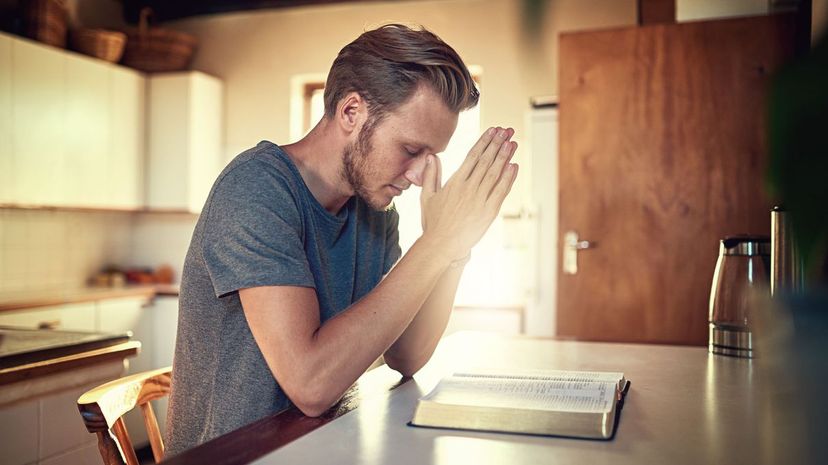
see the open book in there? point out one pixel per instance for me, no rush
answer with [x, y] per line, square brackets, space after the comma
[581, 404]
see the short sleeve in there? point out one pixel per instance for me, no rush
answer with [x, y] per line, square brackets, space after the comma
[253, 232]
[392, 240]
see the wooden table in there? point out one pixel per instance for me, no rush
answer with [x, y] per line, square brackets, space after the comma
[685, 406]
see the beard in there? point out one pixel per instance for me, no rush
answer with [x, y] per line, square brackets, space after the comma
[356, 166]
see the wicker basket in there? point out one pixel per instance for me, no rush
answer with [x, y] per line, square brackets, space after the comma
[157, 49]
[99, 43]
[45, 21]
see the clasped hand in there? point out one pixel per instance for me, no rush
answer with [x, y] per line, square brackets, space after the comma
[456, 215]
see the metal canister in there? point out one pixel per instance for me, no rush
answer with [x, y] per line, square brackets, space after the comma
[786, 267]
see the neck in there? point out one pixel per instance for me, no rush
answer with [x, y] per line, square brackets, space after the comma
[318, 156]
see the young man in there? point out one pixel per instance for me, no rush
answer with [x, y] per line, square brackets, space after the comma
[283, 299]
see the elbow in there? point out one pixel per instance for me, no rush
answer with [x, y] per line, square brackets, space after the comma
[311, 409]
[312, 402]
[407, 368]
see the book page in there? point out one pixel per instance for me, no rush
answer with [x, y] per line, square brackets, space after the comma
[564, 391]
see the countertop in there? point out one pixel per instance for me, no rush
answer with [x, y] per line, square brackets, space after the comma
[23, 346]
[686, 406]
[34, 362]
[21, 300]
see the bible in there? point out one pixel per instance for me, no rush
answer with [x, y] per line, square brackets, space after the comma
[582, 404]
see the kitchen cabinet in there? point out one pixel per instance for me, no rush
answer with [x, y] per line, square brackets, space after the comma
[39, 420]
[71, 129]
[164, 312]
[6, 166]
[125, 160]
[38, 94]
[86, 135]
[185, 115]
[130, 314]
[152, 322]
[69, 317]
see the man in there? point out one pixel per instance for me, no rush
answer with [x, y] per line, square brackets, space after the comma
[288, 293]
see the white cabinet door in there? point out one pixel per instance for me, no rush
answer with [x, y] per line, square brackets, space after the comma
[168, 107]
[38, 84]
[19, 430]
[6, 160]
[165, 325]
[68, 317]
[130, 314]
[86, 135]
[125, 161]
[185, 139]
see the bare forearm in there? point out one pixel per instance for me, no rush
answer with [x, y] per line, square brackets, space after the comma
[416, 344]
[340, 350]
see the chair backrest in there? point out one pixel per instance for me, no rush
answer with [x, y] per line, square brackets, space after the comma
[103, 407]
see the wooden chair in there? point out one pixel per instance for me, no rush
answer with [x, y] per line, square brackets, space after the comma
[103, 407]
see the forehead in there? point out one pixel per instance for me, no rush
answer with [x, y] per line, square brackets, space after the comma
[423, 121]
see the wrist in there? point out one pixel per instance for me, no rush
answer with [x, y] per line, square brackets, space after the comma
[440, 250]
[460, 262]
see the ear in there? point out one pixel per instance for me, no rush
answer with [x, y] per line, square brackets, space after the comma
[351, 112]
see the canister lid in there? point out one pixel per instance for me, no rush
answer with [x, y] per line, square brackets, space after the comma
[746, 245]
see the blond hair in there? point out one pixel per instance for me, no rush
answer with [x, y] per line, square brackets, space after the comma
[386, 65]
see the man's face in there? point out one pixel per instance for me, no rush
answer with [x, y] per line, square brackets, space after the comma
[375, 165]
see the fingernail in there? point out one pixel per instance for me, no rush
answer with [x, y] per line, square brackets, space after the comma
[490, 131]
[428, 160]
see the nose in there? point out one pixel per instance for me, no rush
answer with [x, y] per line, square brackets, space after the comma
[416, 169]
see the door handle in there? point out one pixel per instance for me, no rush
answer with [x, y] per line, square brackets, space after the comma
[571, 245]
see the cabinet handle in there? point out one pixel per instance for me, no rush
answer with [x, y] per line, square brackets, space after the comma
[50, 324]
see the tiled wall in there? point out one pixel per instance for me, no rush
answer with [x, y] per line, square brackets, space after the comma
[46, 249]
[159, 239]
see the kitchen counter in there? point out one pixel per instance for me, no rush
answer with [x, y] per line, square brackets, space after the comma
[42, 374]
[26, 346]
[36, 362]
[47, 297]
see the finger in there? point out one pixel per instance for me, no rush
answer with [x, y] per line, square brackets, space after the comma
[496, 169]
[474, 154]
[503, 186]
[430, 178]
[438, 181]
[508, 164]
[488, 157]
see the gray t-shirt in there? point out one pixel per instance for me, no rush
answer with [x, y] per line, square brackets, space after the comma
[261, 226]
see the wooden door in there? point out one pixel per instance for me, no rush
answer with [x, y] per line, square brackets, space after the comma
[662, 154]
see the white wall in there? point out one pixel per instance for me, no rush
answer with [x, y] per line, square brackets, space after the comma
[257, 53]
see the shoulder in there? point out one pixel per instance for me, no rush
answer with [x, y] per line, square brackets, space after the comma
[262, 173]
[258, 183]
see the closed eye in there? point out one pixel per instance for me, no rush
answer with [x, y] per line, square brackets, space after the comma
[412, 152]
